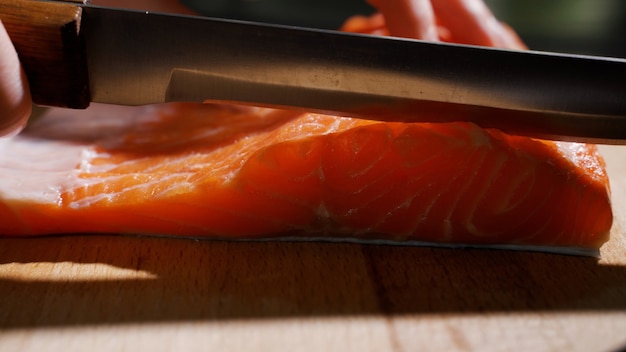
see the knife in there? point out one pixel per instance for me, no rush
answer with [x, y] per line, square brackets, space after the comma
[75, 53]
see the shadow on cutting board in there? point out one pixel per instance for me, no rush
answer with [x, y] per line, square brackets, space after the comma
[209, 280]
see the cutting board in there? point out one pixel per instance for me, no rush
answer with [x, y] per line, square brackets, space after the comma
[97, 293]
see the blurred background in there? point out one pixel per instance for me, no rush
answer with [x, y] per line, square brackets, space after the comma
[595, 27]
[577, 26]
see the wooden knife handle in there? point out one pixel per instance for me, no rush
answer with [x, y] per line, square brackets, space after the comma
[48, 40]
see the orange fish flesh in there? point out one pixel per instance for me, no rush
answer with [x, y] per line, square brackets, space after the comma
[207, 170]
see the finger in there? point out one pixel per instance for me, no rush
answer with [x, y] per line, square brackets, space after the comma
[408, 18]
[471, 22]
[374, 24]
[15, 99]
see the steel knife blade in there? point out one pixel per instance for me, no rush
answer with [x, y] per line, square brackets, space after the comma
[95, 54]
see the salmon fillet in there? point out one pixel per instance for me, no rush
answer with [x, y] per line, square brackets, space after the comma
[221, 171]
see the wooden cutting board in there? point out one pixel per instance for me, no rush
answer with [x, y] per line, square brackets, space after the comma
[96, 293]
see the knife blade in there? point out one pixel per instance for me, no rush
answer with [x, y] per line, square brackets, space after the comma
[84, 53]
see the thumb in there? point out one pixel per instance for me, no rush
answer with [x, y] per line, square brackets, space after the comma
[15, 99]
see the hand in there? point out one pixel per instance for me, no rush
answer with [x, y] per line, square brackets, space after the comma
[15, 100]
[460, 21]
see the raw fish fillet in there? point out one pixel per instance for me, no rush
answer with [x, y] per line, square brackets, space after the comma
[218, 171]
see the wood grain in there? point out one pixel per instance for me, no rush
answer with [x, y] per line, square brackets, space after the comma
[127, 293]
[48, 40]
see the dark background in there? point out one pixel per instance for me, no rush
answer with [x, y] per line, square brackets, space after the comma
[575, 26]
